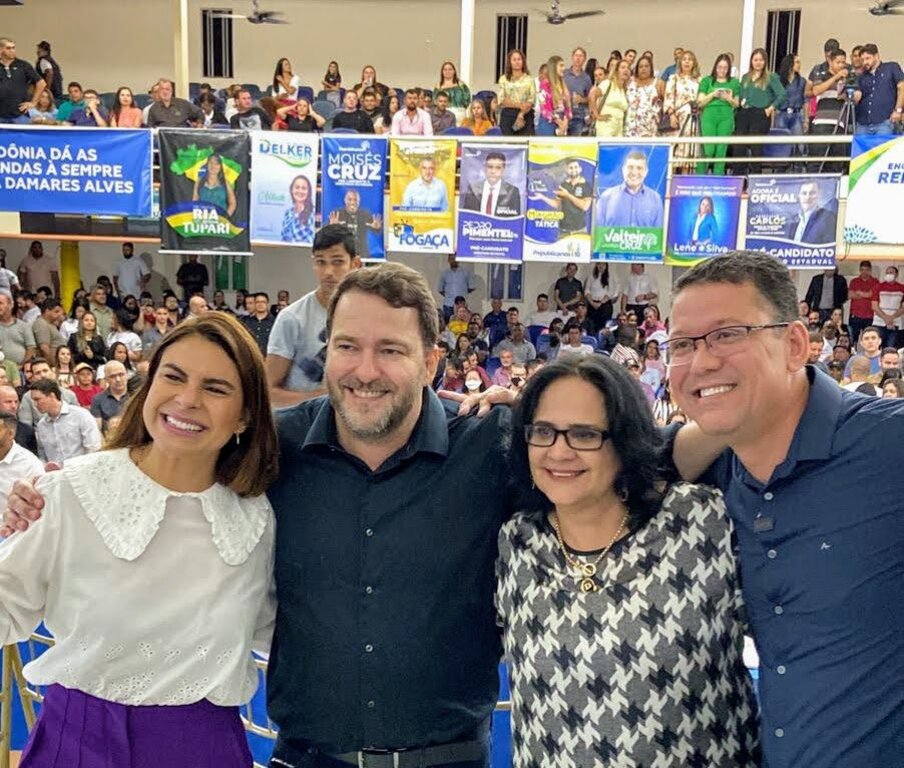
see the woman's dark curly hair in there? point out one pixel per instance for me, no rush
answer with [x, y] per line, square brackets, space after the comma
[633, 433]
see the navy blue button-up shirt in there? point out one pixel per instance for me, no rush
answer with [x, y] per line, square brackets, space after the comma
[880, 93]
[822, 568]
[386, 631]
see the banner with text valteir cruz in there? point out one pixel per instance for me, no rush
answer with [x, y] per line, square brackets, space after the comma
[422, 195]
[353, 174]
[559, 200]
[794, 218]
[704, 214]
[492, 193]
[204, 191]
[75, 170]
[283, 190]
[628, 220]
[875, 202]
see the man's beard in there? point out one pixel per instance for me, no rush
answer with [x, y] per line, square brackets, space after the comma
[377, 426]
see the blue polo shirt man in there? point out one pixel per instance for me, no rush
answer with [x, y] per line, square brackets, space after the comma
[632, 203]
[879, 95]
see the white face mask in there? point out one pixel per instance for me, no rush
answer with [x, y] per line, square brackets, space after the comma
[890, 277]
[472, 385]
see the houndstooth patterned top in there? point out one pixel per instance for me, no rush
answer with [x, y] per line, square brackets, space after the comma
[646, 671]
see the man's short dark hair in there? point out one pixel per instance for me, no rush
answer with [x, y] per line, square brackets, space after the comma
[50, 303]
[441, 93]
[512, 309]
[39, 361]
[47, 387]
[207, 98]
[368, 92]
[91, 91]
[856, 50]
[412, 91]
[261, 293]
[816, 338]
[871, 329]
[9, 421]
[335, 234]
[831, 45]
[768, 275]
[74, 84]
[46, 289]
[839, 52]
[889, 351]
[542, 296]
[866, 263]
[494, 156]
[871, 48]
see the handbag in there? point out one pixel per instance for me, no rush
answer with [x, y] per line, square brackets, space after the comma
[665, 122]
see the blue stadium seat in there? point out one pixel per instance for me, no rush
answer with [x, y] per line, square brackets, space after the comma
[542, 343]
[533, 333]
[108, 99]
[778, 150]
[343, 130]
[194, 90]
[141, 100]
[253, 89]
[326, 109]
[589, 340]
[492, 365]
[494, 131]
[485, 95]
[458, 130]
[306, 92]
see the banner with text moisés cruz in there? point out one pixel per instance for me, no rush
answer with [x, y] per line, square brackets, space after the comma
[353, 173]
[704, 214]
[421, 195]
[559, 201]
[76, 170]
[876, 192]
[204, 191]
[794, 218]
[491, 203]
[628, 220]
[283, 190]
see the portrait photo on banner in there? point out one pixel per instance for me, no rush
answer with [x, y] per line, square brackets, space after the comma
[353, 176]
[629, 214]
[875, 199]
[204, 191]
[491, 203]
[704, 213]
[559, 201]
[283, 187]
[794, 218]
[422, 195]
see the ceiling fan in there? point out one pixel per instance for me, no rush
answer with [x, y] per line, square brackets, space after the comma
[555, 16]
[888, 8]
[257, 16]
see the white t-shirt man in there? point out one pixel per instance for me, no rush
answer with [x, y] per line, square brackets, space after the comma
[128, 274]
[18, 464]
[299, 335]
[639, 285]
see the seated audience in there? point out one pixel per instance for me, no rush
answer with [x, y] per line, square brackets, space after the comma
[107, 405]
[64, 431]
[85, 387]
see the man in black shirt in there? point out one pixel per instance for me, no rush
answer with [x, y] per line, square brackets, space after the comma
[359, 220]
[369, 104]
[192, 276]
[249, 117]
[169, 111]
[16, 77]
[575, 198]
[49, 70]
[351, 116]
[568, 290]
[261, 322]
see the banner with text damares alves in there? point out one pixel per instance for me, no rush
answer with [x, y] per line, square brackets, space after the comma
[559, 200]
[422, 195]
[75, 170]
[283, 190]
[492, 193]
[353, 175]
[204, 191]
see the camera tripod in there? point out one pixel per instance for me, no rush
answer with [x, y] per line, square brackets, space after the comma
[846, 125]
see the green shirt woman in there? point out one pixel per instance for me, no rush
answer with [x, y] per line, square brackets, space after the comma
[761, 92]
[718, 98]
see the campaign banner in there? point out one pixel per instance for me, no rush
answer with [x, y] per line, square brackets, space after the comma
[75, 170]
[492, 191]
[353, 173]
[628, 218]
[421, 195]
[560, 177]
[876, 191]
[794, 218]
[284, 187]
[704, 213]
[204, 191]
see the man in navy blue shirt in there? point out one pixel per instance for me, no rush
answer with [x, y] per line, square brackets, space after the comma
[812, 480]
[880, 94]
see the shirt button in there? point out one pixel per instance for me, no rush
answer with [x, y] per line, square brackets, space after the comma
[368, 648]
[369, 590]
[371, 704]
[779, 732]
[369, 532]
[781, 669]
[772, 554]
[778, 610]
[768, 496]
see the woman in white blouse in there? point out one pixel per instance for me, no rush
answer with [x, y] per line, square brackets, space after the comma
[152, 567]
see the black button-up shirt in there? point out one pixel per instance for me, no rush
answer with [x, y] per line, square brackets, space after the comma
[386, 632]
[880, 93]
[14, 82]
[260, 329]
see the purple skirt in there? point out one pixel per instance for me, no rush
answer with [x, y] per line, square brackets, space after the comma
[75, 730]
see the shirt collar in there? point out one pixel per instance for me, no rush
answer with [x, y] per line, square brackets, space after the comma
[643, 188]
[815, 432]
[430, 435]
[11, 453]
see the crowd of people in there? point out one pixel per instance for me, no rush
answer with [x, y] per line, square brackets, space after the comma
[626, 96]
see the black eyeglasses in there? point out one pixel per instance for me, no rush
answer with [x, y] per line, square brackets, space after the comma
[577, 438]
[721, 342]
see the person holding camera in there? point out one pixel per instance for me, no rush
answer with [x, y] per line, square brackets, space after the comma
[879, 94]
[828, 88]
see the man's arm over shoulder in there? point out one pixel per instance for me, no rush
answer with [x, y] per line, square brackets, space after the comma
[689, 454]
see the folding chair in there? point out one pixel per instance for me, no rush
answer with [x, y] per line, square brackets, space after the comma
[305, 92]
[494, 131]
[493, 365]
[326, 109]
[589, 340]
[533, 333]
[458, 130]
[778, 151]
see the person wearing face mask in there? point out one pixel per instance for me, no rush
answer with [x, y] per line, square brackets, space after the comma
[519, 377]
[888, 307]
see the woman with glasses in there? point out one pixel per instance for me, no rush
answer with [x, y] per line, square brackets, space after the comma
[617, 595]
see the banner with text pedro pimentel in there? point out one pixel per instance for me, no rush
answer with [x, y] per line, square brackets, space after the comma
[422, 195]
[628, 218]
[704, 213]
[794, 218]
[492, 191]
[875, 200]
[559, 200]
[74, 170]
[353, 182]
[204, 191]
[283, 187]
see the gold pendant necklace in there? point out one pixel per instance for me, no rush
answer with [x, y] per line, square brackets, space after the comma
[586, 570]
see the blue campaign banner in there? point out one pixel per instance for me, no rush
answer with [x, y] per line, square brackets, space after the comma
[90, 171]
[353, 175]
[794, 218]
[491, 203]
[703, 218]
